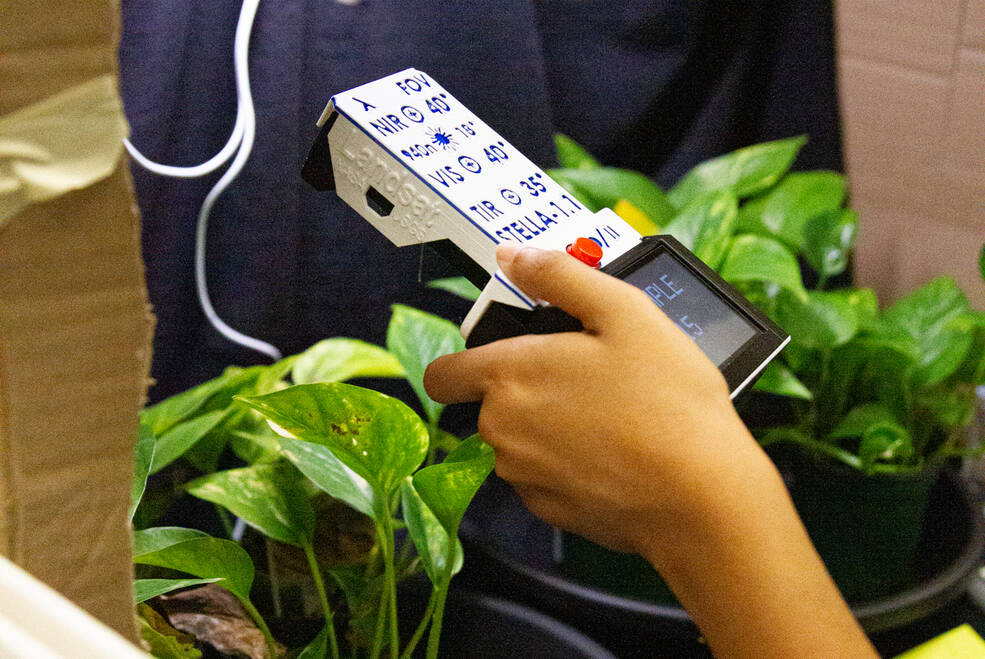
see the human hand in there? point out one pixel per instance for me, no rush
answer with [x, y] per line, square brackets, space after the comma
[621, 433]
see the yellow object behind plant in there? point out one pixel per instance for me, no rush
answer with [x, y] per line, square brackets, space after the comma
[959, 643]
[636, 218]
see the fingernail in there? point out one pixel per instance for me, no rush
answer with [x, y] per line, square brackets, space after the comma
[506, 252]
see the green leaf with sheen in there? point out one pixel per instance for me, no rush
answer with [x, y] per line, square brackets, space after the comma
[759, 259]
[786, 210]
[932, 317]
[169, 412]
[376, 436]
[181, 438]
[706, 225]
[206, 558]
[339, 359]
[459, 286]
[746, 171]
[416, 338]
[159, 537]
[320, 465]
[780, 380]
[447, 488]
[145, 589]
[143, 456]
[885, 442]
[429, 535]
[829, 239]
[572, 155]
[824, 321]
[860, 418]
[268, 497]
[608, 185]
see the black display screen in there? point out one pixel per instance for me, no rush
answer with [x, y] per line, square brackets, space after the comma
[717, 328]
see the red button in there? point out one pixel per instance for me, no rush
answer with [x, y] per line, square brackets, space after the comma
[587, 251]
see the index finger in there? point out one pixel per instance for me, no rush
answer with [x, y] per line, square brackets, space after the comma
[461, 377]
[592, 297]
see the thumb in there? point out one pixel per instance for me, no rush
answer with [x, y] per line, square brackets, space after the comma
[562, 280]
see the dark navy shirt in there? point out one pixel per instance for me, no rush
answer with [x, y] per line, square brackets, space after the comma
[656, 86]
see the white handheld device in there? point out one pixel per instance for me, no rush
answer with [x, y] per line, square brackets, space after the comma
[422, 168]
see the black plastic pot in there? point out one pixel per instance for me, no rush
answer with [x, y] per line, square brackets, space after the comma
[475, 625]
[509, 551]
[867, 528]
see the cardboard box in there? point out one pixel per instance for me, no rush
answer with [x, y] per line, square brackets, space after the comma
[75, 327]
[912, 86]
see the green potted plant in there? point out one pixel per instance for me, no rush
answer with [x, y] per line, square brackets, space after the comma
[875, 400]
[282, 457]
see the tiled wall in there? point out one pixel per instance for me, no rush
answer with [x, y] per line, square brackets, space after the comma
[912, 85]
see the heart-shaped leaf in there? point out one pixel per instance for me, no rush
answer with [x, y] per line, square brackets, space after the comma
[860, 418]
[884, 442]
[572, 155]
[746, 171]
[150, 540]
[931, 316]
[204, 557]
[416, 338]
[459, 286]
[429, 536]
[145, 589]
[376, 436]
[319, 464]
[181, 438]
[785, 211]
[268, 497]
[705, 226]
[825, 320]
[338, 359]
[829, 239]
[607, 185]
[755, 258]
[779, 380]
[143, 456]
[447, 488]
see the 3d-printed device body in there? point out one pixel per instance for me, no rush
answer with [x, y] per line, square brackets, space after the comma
[421, 168]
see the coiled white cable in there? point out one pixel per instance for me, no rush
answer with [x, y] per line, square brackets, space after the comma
[241, 143]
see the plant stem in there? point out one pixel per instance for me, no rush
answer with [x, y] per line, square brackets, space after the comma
[258, 619]
[440, 595]
[434, 637]
[391, 587]
[419, 632]
[380, 622]
[227, 522]
[309, 552]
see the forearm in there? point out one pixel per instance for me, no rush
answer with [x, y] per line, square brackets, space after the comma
[746, 571]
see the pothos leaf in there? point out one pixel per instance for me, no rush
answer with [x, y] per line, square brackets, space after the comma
[204, 557]
[459, 286]
[705, 226]
[339, 359]
[572, 155]
[429, 536]
[608, 185]
[145, 589]
[268, 497]
[416, 339]
[780, 380]
[746, 171]
[376, 436]
[447, 488]
[758, 259]
[319, 464]
[143, 456]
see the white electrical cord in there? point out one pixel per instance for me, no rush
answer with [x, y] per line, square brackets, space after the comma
[241, 143]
